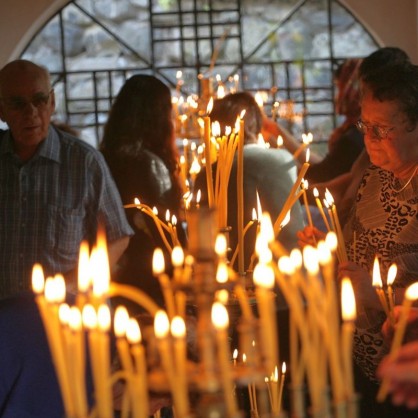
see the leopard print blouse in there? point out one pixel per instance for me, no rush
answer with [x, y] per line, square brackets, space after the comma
[384, 222]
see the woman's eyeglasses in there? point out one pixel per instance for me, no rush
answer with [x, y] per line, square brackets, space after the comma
[378, 132]
[39, 100]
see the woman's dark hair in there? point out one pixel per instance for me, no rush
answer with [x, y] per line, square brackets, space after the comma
[227, 109]
[141, 118]
[399, 83]
[388, 55]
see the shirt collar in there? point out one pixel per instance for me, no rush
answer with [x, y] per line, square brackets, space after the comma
[50, 147]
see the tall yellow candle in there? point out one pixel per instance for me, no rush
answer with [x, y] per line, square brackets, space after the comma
[178, 331]
[158, 267]
[348, 304]
[220, 321]
[240, 197]
[208, 166]
[121, 321]
[139, 377]
[264, 279]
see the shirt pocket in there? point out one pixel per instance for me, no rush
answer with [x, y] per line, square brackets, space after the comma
[65, 230]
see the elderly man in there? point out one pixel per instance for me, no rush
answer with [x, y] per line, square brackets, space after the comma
[55, 189]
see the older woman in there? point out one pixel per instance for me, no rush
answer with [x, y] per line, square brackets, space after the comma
[384, 219]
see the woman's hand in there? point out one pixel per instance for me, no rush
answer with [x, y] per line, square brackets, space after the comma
[411, 332]
[310, 236]
[361, 280]
[402, 372]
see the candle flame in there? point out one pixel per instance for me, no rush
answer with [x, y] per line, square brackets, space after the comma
[307, 138]
[121, 321]
[393, 269]
[158, 264]
[286, 220]
[210, 106]
[315, 192]
[99, 265]
[133, 332]
[221, 245]
[377, 279]
[222, 272]
[328, 197]
[84, 275]
[263, 276]
[254, 215]
[308, 155]
[235, 354]
[296, 257]
[285, 265]
[219, 316]
[38, 279]
[89, 317]
[412, 291]
[348, 301]
[258, 97]
[64, 313]
[266, 227]
[259, 209]
[103, 318]
[75, 319]
[216, 129]
[331, 240]
[324, 253]
[284, 368]
[178, 327]
[55, 289]
[275, 375]
[222, 296]
[177, 256]
[161, 324]
[310, 259]
[279, 141]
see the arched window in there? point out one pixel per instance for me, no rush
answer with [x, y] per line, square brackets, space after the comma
[287, 49]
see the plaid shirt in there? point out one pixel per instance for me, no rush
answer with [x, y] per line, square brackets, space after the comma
[50, 204]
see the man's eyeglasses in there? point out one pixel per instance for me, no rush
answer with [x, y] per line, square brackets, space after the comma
[378, 132]
[39, 100]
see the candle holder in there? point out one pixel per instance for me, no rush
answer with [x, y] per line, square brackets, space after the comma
[203, 381]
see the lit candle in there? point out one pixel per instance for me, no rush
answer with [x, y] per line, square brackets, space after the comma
[321, 209]
[411, 295]
[304, 186]
[84, 276]
[393, 269]
[378, 285]
[240, 194]
[348, 304]
[220, 321]
[139, 377]
[158, 267]
[178, 331]
[264, 281]
[290, 199]
[282, 379]
[54, 292]
[104, 399]
[208, 166]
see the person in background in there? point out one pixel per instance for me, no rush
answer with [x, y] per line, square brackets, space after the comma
[345, 143]
[55, 188]
[344, 187]
[139, 147]
[270, 172]
[383, 221]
